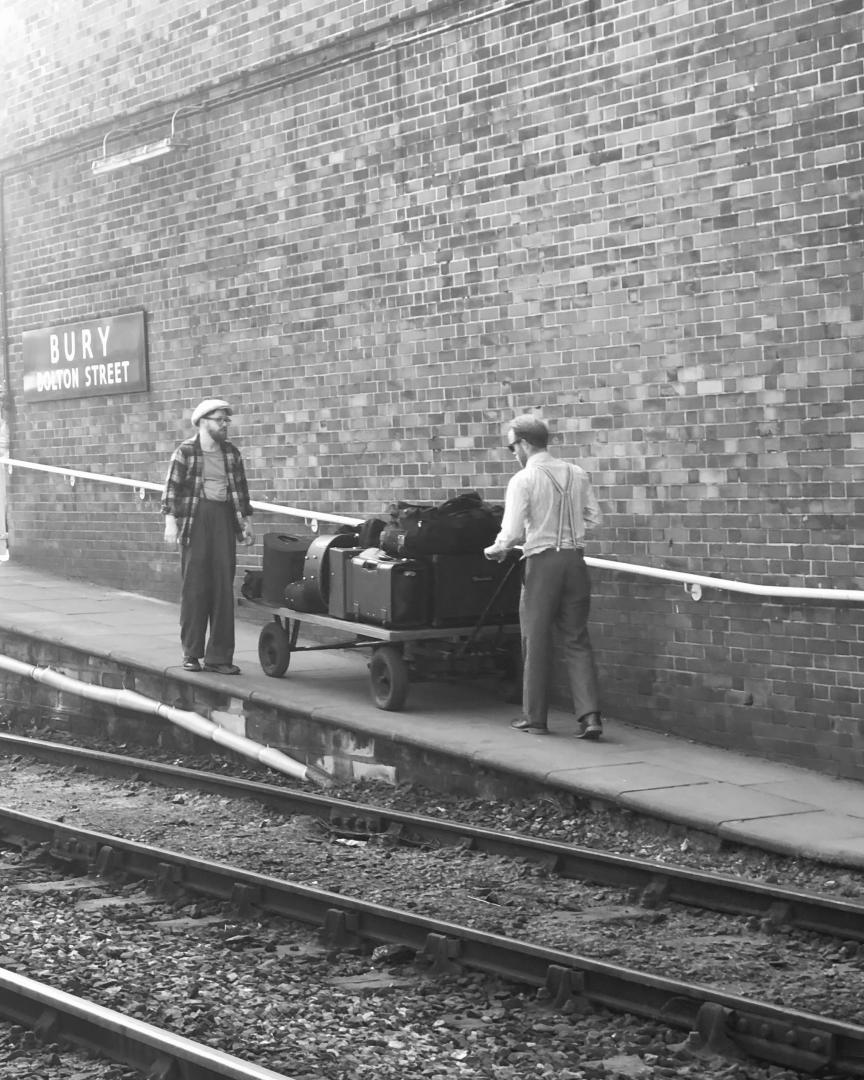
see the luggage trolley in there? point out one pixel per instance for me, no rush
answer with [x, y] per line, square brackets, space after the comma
[477, 650]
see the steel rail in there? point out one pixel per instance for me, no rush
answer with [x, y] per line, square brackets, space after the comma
[783, 1036]
[658, 883]
[59, 1017]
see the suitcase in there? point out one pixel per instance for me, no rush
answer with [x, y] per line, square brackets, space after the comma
[282, 563]
[390, 592]
[462, 585]
[340, 597]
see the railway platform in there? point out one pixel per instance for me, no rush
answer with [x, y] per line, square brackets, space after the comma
[450, 728]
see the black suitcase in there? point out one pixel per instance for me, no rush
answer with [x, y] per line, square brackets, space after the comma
[390, 592]
[463, 585]
[282, 563]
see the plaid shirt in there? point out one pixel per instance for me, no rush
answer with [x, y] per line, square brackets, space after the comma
[184, 485]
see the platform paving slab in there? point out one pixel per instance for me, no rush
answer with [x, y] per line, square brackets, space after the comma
[816, 834]
[740, 798]
[711, 804]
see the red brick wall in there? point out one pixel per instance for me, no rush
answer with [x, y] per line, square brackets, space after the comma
[642, 219]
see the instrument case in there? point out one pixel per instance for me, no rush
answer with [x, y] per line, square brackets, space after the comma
[390, 592]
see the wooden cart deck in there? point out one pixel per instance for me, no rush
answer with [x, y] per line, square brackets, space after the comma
[394, 654]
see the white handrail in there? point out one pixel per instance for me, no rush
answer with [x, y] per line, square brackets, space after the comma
[147, 485]
[700, 581]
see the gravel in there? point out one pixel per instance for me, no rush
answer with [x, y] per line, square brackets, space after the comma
[269, 991]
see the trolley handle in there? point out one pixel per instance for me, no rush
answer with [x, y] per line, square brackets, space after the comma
[481, 622]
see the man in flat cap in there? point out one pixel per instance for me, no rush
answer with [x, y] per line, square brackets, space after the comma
[207, 511]
[549, 507]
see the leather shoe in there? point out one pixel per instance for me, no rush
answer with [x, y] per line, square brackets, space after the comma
[191, 664]
[521, 724]
[590, 727]
[222, 669]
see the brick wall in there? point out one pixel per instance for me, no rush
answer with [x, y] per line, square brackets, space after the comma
[642, 219]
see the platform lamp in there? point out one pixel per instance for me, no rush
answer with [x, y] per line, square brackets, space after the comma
[136, 154]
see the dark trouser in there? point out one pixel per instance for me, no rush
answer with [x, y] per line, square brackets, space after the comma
[556, 597]
[208, 563]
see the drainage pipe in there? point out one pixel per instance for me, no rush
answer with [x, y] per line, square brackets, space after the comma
[190, 721]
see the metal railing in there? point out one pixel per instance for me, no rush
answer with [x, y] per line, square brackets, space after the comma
[693, 583]
[143, 486]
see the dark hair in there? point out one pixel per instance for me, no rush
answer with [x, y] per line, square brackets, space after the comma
[532, 429]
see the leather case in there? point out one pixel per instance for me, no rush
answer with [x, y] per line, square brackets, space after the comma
[390, 592]
[340, 596]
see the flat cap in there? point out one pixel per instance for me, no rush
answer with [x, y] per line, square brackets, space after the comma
[207, 406]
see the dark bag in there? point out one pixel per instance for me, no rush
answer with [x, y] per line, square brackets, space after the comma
[369, 533]
[253, 583]
[282, 563]
[462, 525]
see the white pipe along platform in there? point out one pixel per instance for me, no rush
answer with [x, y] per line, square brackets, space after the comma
[189, 721]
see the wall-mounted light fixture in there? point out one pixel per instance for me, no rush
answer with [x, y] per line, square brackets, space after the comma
[135, 154]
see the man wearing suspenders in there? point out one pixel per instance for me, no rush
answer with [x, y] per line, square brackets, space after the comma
[548, 509]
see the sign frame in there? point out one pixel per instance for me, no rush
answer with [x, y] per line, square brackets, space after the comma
[94, 357]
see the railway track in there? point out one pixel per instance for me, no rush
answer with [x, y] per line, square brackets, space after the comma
[56, 1016]
[655, 883]
[725, 1023]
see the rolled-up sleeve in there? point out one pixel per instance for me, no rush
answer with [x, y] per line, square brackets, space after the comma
[592, 515]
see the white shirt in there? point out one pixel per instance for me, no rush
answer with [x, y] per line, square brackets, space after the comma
[532, 510]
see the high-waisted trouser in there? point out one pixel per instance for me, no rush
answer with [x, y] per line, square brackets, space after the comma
[556, 602]
[207, 564]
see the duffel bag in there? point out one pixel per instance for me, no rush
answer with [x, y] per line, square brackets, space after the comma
[461, 526]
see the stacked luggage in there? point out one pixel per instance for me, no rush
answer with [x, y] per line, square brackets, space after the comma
[426, 569]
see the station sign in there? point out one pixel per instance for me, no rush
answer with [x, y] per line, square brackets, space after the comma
[86, 359]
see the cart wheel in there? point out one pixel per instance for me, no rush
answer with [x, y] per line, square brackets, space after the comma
[274, 650]
[388, 677]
